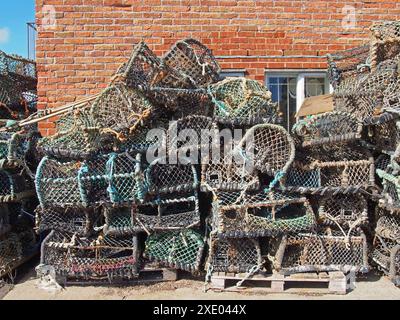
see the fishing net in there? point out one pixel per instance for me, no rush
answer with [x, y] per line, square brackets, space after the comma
[80, 222]
[336, 169]
[386, 255]
[348, 64]
[347, 210]
[176, 249]
[241, 101]
[328, 128]
[163, 177]
[385, 43]
[328, 250]
[171, 212]
[234, 255]
[382, 162]
[102, 258]
[269, 148]
[385, 136]
[193, 62]
[15, 187]
[260, 214]
[110, 178]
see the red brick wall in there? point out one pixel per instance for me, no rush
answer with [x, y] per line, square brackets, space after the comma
[91, 38]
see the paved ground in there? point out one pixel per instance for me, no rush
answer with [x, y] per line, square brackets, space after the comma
[371, 287]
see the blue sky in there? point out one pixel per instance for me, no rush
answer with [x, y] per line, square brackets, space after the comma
[14, 14]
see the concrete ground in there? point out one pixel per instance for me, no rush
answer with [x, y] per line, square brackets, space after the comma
[373, 286]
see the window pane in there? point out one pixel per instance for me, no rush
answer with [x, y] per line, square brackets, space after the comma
[314, 87]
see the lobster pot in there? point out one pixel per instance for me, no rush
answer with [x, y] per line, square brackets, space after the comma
[335, 169]
[234, 255]
[165, 176]
[388, 224]
[78, 258]
[10, 253]
[109, 178]
[322, 252]
[382, 162]
[193, 62]
[76, 221]
[142, 68]
[16, 148]
[241, 101]
[385, 136]
[347, 210]
[386, 255]
[14, 187]
[385, 43]
[347, 64]
[176, 249]
[391, 189]
[133, 110]
[328, 128]
[172, 212]
[252, 215]
[78, 137]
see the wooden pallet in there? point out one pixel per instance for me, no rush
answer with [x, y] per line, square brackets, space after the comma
[332, 282]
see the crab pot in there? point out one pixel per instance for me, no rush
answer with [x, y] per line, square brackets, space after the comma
[111, 178]
[391, 189]
[385, 42]
[181, 249]
[103, 258]
[322, 252]
[76, 221]
[194, 63]
[343, 209]
[260, 214]
[240, 101]
[14, 187]
[328, 128]
[234, 255]
[347, 64]
[336, 169]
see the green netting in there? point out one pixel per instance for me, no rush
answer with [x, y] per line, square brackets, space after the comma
[176, 249]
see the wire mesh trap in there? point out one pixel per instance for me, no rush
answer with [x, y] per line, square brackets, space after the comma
[111, 178]
[385, 136]
[163, 177]
[241, 101]
[335, 169]
[193, 62]
[388, 225]
[328, 128]
[171, 212]
[176, 249]
[386, 255]
[81, 222]
[327, 250]
[348, 64]
[344, 210]
[260, 214]
[385, 43]
[103, 258]
[234, 255]
[15, 187]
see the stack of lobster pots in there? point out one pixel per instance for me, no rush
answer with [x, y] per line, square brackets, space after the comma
[113, 195]
[18, 241]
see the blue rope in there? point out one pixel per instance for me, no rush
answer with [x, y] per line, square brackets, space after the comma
[278, 177]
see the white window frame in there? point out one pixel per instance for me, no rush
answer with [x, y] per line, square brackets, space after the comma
[301, 75]
[233, 73]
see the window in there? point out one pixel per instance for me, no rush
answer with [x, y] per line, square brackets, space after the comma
[232, 73]
[290, 88]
